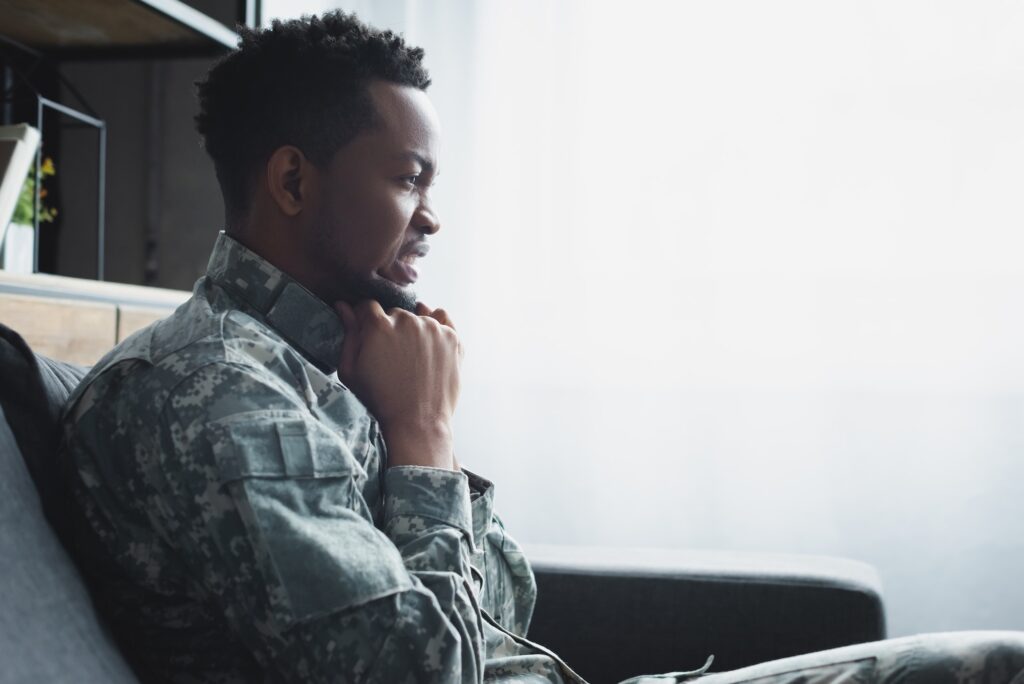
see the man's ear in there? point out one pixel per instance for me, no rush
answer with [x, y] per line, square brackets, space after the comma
[288, 179]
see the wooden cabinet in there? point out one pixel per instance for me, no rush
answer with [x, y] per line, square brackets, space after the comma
[79, 320]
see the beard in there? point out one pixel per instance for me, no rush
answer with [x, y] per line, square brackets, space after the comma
[355, 288]
[388, 294]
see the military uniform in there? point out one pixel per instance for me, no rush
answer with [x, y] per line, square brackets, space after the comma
[945, 658]
[239, 522]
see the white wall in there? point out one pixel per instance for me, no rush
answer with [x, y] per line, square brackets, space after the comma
[742, 275]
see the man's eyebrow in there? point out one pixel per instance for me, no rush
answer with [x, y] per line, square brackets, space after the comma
[426, 164]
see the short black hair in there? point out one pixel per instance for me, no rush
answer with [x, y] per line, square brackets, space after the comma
[301, 82]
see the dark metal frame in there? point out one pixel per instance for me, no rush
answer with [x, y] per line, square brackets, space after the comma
[42, 104]
[219, 38]
[251, 12]
[101, 178]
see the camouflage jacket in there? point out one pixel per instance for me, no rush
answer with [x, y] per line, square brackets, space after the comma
[239, 522]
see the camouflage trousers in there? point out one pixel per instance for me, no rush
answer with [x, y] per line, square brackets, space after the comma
[946, 658]
[950, 658]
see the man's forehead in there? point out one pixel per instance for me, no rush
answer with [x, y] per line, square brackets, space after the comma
[405, 113]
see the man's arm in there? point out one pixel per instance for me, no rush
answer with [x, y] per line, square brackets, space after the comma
[267, 509]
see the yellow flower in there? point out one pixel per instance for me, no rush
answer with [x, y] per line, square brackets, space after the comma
[48, 168]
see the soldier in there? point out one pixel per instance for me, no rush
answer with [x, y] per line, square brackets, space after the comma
[266, 479]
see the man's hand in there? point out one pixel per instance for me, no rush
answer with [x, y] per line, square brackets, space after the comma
[405, 368]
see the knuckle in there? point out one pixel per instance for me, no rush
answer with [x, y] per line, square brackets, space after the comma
[436, 329]
[401, 316]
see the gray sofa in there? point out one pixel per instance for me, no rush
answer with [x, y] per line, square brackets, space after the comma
[610, 613]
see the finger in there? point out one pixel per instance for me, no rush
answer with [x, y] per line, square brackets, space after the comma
[369, 311]
[422, 309]
[347, 315]
[442, 317]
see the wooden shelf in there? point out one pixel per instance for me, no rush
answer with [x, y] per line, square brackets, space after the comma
[62, 287]
[108, 27]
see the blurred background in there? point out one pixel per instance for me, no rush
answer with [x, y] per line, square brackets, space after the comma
[741, 275]
[734, 275]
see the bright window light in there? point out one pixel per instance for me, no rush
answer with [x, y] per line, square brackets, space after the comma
[742, 275]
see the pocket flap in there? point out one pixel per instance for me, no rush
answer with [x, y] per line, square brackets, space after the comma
[280, 444]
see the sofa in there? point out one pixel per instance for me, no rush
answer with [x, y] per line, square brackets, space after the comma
[611, 613]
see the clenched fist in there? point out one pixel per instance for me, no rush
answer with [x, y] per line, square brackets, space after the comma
[405, 368]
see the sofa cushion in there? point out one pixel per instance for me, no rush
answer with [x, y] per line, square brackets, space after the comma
[33, 390]
[49, 631]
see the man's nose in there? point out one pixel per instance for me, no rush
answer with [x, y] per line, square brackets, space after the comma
[426, 220]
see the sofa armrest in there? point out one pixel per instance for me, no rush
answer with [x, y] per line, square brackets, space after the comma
[615, 613]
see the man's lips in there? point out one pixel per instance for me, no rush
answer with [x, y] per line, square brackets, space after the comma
[402, 270]
[415, 249]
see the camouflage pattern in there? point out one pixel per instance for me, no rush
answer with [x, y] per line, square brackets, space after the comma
[239, 522]
[946, 658]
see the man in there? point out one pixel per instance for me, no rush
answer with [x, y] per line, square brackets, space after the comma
[246, 514]
[246, 517]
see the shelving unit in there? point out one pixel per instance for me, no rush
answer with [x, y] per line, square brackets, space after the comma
[73, 29]
[46, 33]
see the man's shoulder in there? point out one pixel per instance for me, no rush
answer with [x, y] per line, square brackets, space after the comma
[222, 346]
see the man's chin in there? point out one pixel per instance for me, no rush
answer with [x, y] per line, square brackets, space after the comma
[388, 294]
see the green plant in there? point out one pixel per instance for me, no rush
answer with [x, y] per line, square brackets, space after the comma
[25, 207]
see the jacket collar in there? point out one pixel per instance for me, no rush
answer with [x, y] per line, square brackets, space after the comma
[302, 318]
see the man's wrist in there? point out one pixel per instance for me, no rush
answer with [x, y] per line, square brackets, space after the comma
[428, 444]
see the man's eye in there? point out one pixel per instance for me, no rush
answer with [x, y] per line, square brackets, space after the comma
[411, 180]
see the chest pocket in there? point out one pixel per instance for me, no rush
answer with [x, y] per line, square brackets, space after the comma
[298, 488]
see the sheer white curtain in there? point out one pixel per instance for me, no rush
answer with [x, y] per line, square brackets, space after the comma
[742, 275]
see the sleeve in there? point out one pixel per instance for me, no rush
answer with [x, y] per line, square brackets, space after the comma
[268, 512]
[509, 589]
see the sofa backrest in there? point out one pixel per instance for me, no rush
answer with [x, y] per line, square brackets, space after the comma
[33, 391]
[49, 630]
